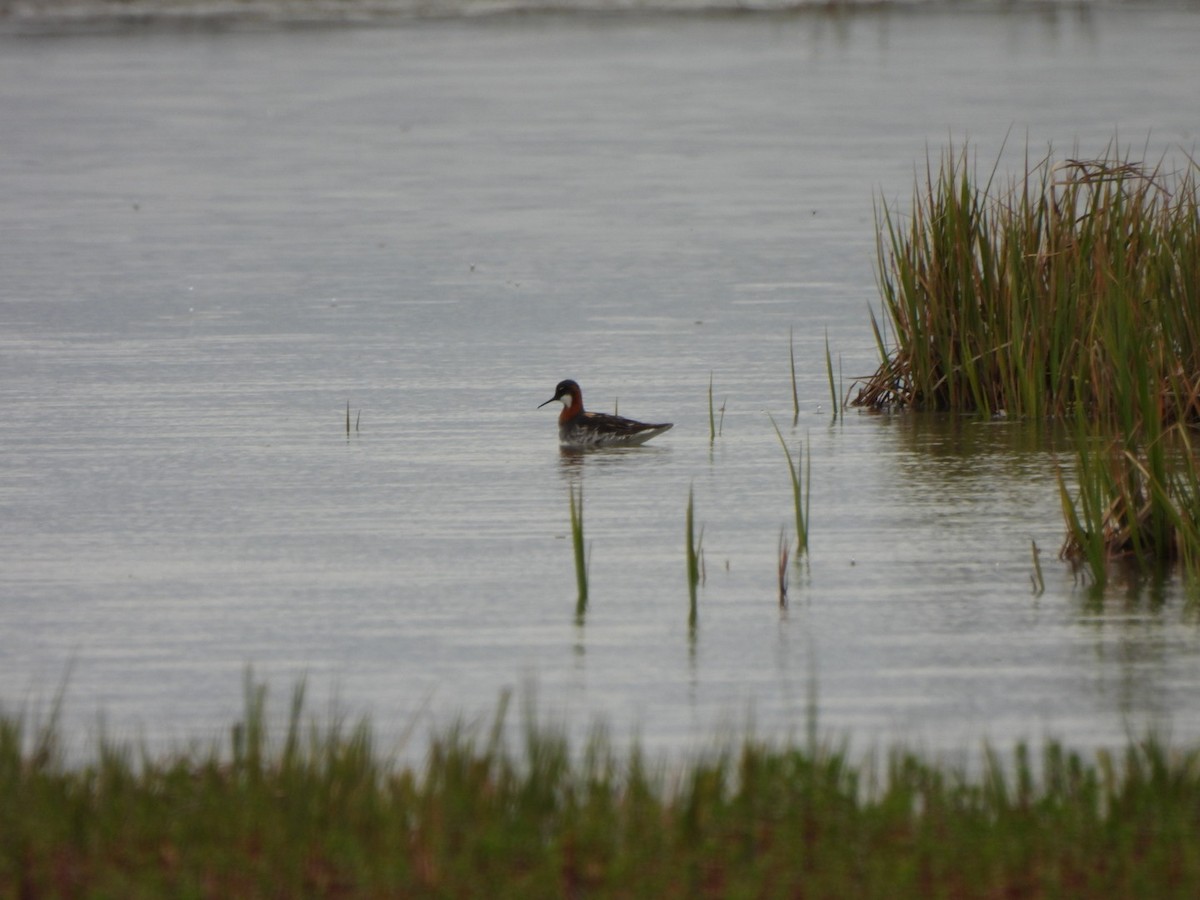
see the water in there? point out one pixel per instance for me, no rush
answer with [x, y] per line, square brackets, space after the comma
[213, 241]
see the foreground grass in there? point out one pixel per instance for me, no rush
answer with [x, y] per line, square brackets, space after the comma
[323, 813]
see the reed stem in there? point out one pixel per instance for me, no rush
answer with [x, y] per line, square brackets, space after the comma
[694, 551]
[800, 490]
[577, 545]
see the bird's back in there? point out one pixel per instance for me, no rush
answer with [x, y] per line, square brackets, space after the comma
[595, 429]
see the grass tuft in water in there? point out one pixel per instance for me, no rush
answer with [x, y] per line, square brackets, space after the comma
[712, 419]
[783, 567]
[1063, 289]
[581, 555]
[801, 480]
[835, 403]
[715, 425]
[694, 551]
[1074, 293]
[1136, 505]
[1037, 579]
[324, 813]
[795, 390]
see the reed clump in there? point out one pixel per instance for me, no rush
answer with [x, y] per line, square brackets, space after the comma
[1073, 287]
[1136, 502]
[1070, 293]
[321, 811]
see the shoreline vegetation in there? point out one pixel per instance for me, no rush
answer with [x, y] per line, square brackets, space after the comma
[72, 15]
[320, 811]
[1071, 293]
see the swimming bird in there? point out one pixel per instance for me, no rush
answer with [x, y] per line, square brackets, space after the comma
[581, 430]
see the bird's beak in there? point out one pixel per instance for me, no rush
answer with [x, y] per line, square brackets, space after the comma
[551, 400]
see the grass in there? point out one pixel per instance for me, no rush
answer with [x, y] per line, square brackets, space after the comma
[715, 426]
[1135, 504]
[1070, 293]
[795, 391]
[322, 812]
[801, 495]
[783, 567]
[694, 552]
[1037, 579]
[835, 402]
[580, 552]
[1036, 297]
[712, 419]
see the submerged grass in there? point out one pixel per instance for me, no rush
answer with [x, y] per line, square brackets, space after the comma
[1073, 293]
[324, 813]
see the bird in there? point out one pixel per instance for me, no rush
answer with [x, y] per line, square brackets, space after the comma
[582, 430]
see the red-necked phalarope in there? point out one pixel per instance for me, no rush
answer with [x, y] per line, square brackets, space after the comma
[579, 430]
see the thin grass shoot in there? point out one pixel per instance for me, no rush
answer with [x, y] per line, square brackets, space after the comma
[801, 480]
[795, 390]
[833, 393]
[693, 550]
[1038, 580]
[784, 544]
[580, 552]
[712, 421]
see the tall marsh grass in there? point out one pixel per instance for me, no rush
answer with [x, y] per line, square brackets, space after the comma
[1136, 502]
[1077, 285]
[1074, 293]
[493, 811]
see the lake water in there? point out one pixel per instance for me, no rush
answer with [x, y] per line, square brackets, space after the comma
[213, 240]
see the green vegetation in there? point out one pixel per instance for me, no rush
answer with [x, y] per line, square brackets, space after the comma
[694, 551]
[1037, 579]
[1136, 503]
[834, 393]
[783, 567]
[1076, 287]
[800, 491]
[1072, 293]
[715, 425]
[323, 814]
[712, 419]
[795, 391]
[581, 560]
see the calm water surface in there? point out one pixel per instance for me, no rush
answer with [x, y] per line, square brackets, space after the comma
[211, 243]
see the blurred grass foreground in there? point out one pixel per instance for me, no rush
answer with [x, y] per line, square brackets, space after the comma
[319, 811]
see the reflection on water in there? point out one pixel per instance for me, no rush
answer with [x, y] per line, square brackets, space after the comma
[430, 224]
[573, 464]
